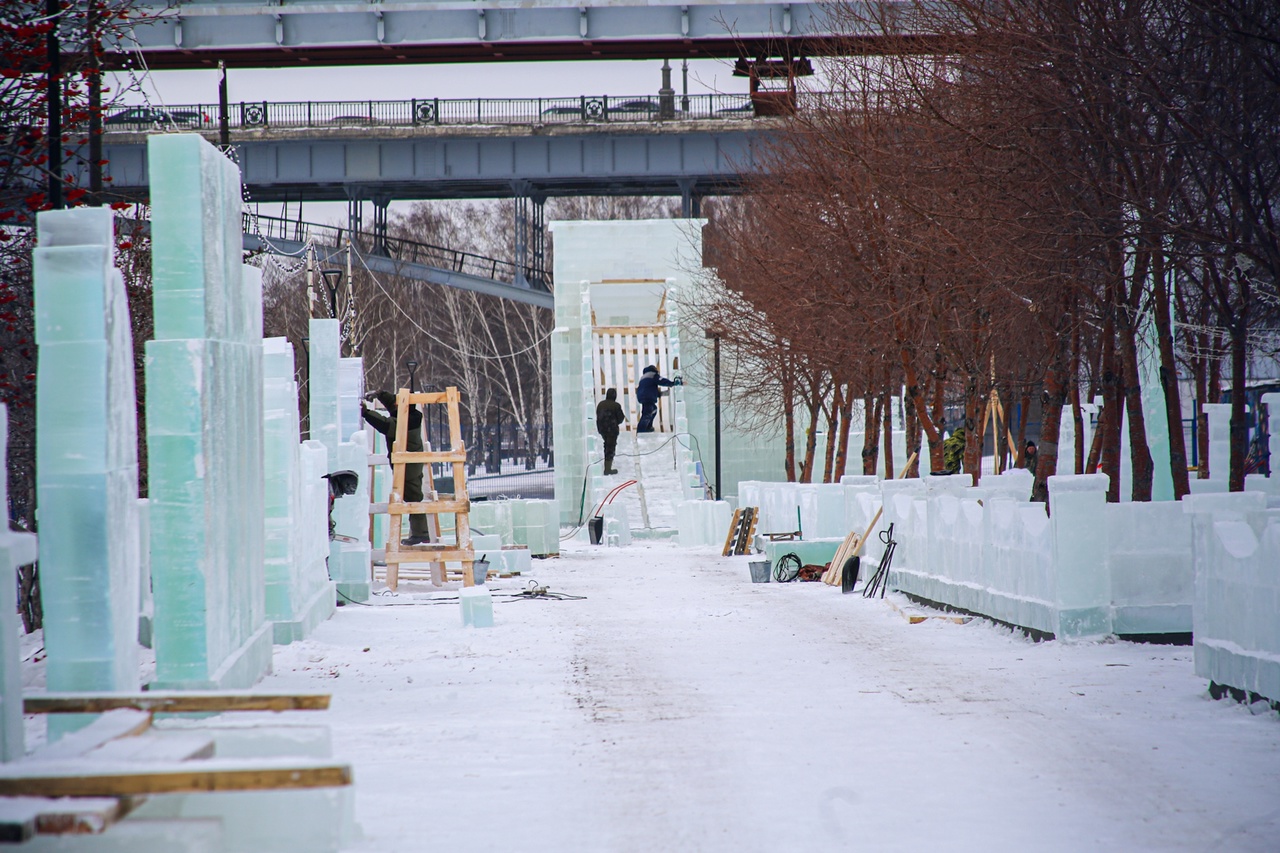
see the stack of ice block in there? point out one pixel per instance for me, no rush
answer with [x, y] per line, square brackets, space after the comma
[349, 556]
[493, 517]
[703, 522]
[1261, 482]
[299, 594]
[350, 392]
[536, 525]
[322, 386]
[573, 420]
[204, 425]
[1237, 591]
[86, 459]
[1152, 574]
[16, 549]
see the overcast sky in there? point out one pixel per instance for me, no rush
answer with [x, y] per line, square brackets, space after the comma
[404, 81]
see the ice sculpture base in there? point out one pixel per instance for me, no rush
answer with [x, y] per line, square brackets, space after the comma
[242, 668]
[319, 819]
[137, 833]
[314, 611]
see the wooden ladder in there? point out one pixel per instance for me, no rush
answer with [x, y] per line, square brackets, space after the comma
[456, 503]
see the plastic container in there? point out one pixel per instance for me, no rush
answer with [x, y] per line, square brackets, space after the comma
[477, 607]
[759, 571]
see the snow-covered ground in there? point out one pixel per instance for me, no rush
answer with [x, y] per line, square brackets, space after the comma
[680, 707]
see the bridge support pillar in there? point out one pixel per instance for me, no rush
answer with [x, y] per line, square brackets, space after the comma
[530, 236]
[380, 204]
[690, 200]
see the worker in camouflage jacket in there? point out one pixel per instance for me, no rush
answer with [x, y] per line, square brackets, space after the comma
[386, 424]
[609, 419]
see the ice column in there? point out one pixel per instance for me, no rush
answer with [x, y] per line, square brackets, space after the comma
[1219, 418]
[322, 386]
[298, 592]
[204, 425]
[1153, 411]
[1081, 576]
[86, 458]
[572, 400]
[350, 390]
[16, 549]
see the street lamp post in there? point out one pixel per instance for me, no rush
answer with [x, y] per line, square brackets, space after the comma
[332, 281]
[715, 338]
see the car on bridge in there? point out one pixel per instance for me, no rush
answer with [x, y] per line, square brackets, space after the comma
[154, 117]
[602, 109]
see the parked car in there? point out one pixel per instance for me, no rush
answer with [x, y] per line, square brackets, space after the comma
[153, 117]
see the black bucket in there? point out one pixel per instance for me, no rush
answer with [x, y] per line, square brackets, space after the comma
[849, 574]
[595, 529]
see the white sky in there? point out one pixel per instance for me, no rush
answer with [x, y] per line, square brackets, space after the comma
[406, 81]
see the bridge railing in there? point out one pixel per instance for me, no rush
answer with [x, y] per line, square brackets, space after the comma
[594, 109]
[397, 248]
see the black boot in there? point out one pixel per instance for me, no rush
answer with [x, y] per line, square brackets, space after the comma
[608, 464]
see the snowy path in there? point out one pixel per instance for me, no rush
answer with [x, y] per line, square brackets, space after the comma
[682, 708]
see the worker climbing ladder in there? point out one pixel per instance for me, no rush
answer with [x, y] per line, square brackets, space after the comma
[457, 503]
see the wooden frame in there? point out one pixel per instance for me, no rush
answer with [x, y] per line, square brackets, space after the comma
[457, 503]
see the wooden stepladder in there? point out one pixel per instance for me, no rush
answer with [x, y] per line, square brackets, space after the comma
[456, 503]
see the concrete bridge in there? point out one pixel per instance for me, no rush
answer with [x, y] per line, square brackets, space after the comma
[262, 33]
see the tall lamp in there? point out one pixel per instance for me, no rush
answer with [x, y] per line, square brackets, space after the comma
[332, 281]
[715, 338]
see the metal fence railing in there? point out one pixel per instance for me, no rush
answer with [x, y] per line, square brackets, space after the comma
[594, 109]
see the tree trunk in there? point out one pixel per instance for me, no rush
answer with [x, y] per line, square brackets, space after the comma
[1212, 395]
[937, 453]
[833, 425]
[1139, 450]
[871, 434]
[1055, 387]
[913, 433]
[888, 434]
[1112, 400]
[846, 423]
[1169, 377]
[810, 442]
[1239, 426]
[789, 425]
[974, 434]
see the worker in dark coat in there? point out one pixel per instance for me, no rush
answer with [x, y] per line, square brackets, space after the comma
[609, 419]
[648, 390]
[386, 424]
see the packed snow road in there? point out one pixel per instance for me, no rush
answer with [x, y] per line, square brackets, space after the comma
[680, 707]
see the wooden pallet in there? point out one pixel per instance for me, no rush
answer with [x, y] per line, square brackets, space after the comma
[742, 531]
[436, 554]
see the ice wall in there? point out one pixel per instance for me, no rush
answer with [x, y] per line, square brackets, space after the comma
[86, 455]
[299, 594]
[349, 554]
[572, 401]
[1237, 591]
[16, 549]
[204, 425]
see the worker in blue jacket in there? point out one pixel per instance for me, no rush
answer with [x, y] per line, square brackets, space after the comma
[648, 390]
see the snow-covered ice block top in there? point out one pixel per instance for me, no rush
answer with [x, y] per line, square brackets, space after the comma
[1230, 502]
[81, 226]
[1060, 483]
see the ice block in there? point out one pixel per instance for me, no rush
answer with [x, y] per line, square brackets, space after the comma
[86, 457]
[204, 425]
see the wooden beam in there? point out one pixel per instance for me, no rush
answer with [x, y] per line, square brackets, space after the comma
[172, 703]
[429, 456]
[78, 779]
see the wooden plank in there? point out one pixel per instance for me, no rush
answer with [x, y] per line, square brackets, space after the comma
[732, 535]
[429, 456]
[177, 702]
[76, 779]
[428, 507]
[430, 554]
[22, 818]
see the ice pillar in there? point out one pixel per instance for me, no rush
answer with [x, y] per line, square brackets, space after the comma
[86, 457]
[16, 549]
[299, 594]
[1219, 417]
[572, 400]
[204, 425]
[1082, 579]
[322, 386]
